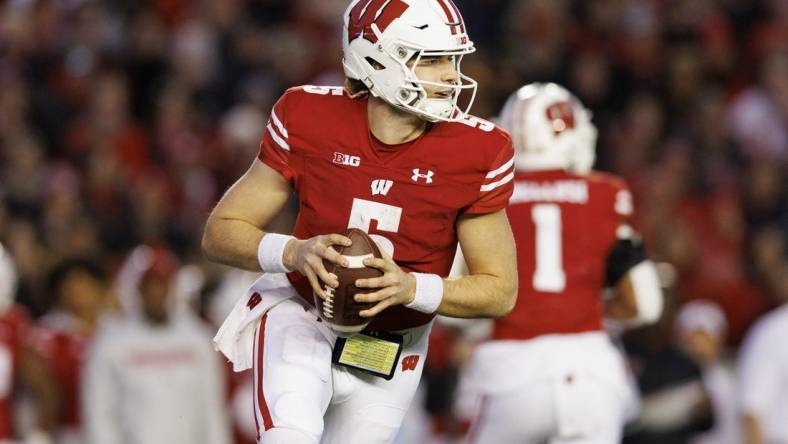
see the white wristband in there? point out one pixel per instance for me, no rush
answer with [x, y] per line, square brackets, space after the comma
[270, 251]
[429, 293]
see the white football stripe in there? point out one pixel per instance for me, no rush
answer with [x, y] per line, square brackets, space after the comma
[279, 124]
[500, 169]
[357, 261]
[496, 184]
[279, 141]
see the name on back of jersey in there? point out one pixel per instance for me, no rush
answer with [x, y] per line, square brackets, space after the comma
[571, 191]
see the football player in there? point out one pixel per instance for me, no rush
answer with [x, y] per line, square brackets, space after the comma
[550, 373]
[150, 374]
[62, 336]
[391, 153]
[20, 364]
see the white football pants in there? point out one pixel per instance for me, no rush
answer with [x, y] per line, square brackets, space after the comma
[555, 389]
[302, 398]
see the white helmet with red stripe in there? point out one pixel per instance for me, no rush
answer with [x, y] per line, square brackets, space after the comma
[383, 41]
[550, 129]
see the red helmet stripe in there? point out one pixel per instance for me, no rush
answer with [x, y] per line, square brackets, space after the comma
[459, 16]
[449, 15]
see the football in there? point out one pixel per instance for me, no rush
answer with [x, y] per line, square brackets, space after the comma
[340, 310]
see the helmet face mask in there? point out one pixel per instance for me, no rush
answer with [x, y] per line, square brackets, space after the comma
[383, 50]
[550, 129]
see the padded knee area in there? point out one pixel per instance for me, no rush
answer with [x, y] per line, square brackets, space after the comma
[385, 415]
[284, 435]
[372, 424]
[295, 411]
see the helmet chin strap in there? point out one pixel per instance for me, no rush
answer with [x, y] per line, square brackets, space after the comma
[442, 108]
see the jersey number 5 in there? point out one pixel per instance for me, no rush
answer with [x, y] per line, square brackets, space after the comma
[549, 275]
[386, 216]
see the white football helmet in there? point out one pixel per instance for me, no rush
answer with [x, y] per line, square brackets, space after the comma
[550, 129]
[380, 37]
[7, 279]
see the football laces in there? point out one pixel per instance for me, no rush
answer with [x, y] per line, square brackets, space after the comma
[328, 303]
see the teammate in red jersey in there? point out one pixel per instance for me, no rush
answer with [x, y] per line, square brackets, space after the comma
[19, 363]
[393, 154]
[550, 374]
[63, 336]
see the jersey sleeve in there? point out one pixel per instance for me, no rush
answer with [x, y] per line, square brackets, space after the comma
[497, 186]
[758, 383]
[275, 149]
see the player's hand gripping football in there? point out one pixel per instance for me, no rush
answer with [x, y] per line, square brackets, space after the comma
[307, 256]
[395, 287]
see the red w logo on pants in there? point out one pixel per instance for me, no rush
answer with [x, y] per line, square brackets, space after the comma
[410, 362]
[254, 300]
[379, 12]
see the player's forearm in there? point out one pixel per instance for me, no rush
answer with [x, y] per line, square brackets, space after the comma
[232, 242]
[41, 383]
[478, 296]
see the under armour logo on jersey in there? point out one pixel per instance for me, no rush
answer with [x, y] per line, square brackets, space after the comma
[346, 159]
[417, 174]
[410, 362]
[381, 186]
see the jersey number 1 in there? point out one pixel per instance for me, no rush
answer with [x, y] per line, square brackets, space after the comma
[549, 275]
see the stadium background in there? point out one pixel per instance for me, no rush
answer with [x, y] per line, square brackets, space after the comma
[122, 122]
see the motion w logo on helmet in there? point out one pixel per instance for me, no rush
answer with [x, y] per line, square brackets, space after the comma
[561, 116]
[379, 12]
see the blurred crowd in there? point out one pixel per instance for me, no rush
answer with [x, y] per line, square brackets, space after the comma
[122, 122]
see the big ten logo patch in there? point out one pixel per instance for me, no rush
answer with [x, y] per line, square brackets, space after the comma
[410, 362]
[345, 159]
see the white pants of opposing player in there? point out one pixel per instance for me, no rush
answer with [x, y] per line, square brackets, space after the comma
[553, 389]
[301, 398]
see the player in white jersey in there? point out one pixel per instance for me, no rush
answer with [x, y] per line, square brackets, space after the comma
[152, 376]
[763, 374]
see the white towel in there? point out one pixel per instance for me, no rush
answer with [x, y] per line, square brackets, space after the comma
[235, 338]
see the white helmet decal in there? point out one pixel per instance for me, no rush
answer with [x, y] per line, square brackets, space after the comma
[550, 129]
[362, 17]
[383, 41]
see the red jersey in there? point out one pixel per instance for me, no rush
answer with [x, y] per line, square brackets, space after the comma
[63, 347]
[564, 226]
[14, 327]
[406, 197]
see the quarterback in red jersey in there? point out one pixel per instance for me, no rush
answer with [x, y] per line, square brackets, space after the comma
[393, 154]
[550, 374]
